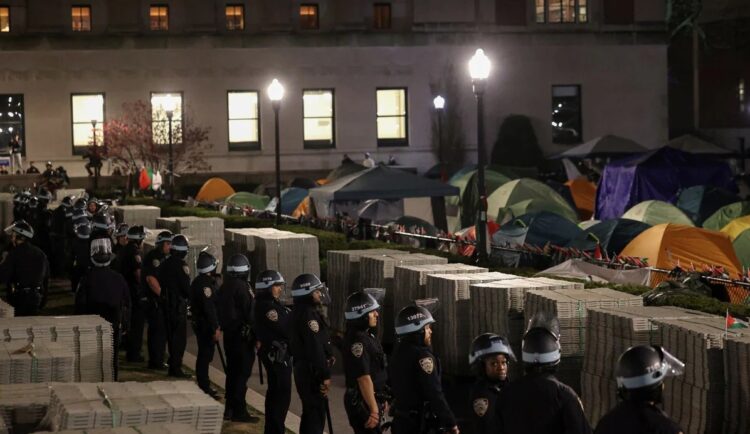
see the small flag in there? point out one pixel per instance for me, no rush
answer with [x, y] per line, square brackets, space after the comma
[598, 252]
[734, 323]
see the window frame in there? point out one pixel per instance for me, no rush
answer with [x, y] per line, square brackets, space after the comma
[10, 19]
[245, 146]
[242, 17]
[158, 29]
[23, 120]
[182, 113]
[317, 16]
[579, 88]
[576, 13]
[81, 150]
[375, 7]
[320, 144]
[392, 143]
[80, 17]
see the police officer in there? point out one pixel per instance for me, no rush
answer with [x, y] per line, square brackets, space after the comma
[101, 226]
[121, 238]
[364, 365]
[174, 277]
[60, 217]
[272, 329]
[640, 374]
[157, 333]
[81, 253]
[104, 292]
[489, 359]
[312, 352]
[131, 261]
[235, 307]
[25, 270]
[414, 373]
[538, 402]
[205, 321]
[42, 220]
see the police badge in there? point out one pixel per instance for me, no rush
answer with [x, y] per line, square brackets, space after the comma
[313, 325]
[480, 406]
[357, 349]
[155, 263]
[207, 291]
[272, 315]
[427, 365]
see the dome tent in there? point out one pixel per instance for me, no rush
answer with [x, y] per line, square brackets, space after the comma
[700, 201]
[214, 189]
[654, 212]
[612, 235]
[726, 214]
[244, 198]
[536, 229]
[526, 195]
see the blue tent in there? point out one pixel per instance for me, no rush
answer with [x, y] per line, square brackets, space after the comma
[701, 201]
[612, 235]
[538, 229]
[290, 200]
[659, 175]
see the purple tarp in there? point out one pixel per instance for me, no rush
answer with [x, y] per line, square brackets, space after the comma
[659, 175]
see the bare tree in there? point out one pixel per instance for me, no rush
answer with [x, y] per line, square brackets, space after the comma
[453, 140]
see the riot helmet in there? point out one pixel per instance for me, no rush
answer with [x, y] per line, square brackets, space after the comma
[641, 370]
[358, 308]
[206, 263]
[412, 320]
[238, 266]
[180, 246]
[305, 286]
[136, 233]
[101, 252]
[122, 230]
[488, 346]
[164, 236]
[540, 347]
[102, 221]
[20, 228]
[83, 231]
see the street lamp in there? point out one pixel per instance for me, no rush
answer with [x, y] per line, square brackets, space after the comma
[93, 151]
[169, 105]
[479, 70]
[439, 103]
[276, 94]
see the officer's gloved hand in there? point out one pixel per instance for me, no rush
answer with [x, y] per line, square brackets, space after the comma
[325, 387]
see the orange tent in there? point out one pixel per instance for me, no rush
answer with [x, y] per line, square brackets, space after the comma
[214, 189]
[584, 196]
[303, 209]
[667, 243]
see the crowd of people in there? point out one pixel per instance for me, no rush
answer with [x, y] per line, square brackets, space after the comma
[113, 277]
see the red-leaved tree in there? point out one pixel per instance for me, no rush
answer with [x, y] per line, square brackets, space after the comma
[132, 143]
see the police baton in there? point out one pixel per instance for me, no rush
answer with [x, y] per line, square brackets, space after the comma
[328, 416]
[221, 356]
[260, 366]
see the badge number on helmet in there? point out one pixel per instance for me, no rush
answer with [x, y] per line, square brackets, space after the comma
[480, 406]
[313, 325]
[357, 349]
[427, 365]
[207, 291]
[272, 315]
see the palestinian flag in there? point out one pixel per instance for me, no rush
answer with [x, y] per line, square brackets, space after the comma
[734, 323]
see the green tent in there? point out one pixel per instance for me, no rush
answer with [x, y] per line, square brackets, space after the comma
[655, 212]
[726, 214]
[243, 198]
[493, 179]
[524, 196]
[742, 247]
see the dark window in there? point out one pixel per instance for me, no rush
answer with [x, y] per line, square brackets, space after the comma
[4, 19]
[11, 120]
[308, 16]
[159, 18]
[382, 16]
[392, 117]
[244, 120]
[318, 118]
[235, 17]
[566, 115]
[562, 11]
[81, 18]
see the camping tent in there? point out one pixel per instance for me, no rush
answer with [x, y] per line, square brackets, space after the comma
[654, 212]
[696, 145]
[243, 198]
[537, 229]
[416, 225]
[742, 247]
[380, 211]
[526, 195]
[345, 169]
[666, 244]
[588, 223]
[604, 146]
[612, 235]
[493, 179]
[737, 226]
[660, 175]
[214, 189]
[305, 183]
[584, 196]
[726, 214]
[290, 200]
[700, 201]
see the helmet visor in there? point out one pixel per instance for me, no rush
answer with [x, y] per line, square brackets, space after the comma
[377, 293]
[672, 366]
[325, 296]
[431, 304]
[547, 321]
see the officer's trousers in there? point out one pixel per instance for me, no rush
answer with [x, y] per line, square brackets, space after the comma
[313, 402]
[156, 335]
[206, 348]
[58, 257]
[279, 394]
[176, 341]
[405, 425]
[240, 358]
[135, 334]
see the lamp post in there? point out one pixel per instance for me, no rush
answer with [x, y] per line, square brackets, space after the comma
[169, 105]
[479, 70]
[439, 104]
[94, 151]
[276, 94]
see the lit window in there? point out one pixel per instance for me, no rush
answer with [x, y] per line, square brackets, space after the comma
[392, 117]
[161, 105]
[11, 120]
[308, 16]
[87, 108]
[81, 16]
[159, 16]
[318, 116]
[382, 16]
[4, 19]
[561, 11]
[235, 17]
[244, 125]
[566, 115]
